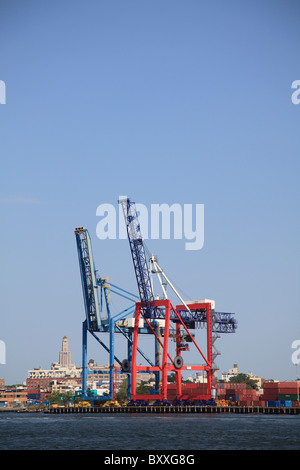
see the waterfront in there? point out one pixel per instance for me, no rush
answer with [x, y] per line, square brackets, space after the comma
[39, 431]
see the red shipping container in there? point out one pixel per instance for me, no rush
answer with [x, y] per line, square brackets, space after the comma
[241, 386]
[248, 393]
[287, 384]
[195, 386]
[270, 385]
[295, 404]
[227, 385]
[234, 386]
[269, 396]
[194, 390]
[257, 403]
[287, 391]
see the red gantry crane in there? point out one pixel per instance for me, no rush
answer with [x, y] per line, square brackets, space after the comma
[187, 316]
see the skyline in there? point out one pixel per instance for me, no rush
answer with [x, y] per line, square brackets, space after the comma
[187, 374]
[175, 103]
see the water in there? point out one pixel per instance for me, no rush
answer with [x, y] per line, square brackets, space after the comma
[156, 432]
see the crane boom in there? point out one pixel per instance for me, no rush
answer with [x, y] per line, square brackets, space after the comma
[222, 322]
[138, 255]
[88, 278]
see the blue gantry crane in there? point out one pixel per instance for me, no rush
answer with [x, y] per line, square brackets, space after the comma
[98, 317]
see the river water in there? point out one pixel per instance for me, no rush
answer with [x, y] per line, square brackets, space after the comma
[38, 431]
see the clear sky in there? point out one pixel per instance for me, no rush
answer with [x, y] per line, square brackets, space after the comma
[169, 101]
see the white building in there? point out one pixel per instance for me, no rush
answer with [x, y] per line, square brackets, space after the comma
[61, 369]
[231, 373]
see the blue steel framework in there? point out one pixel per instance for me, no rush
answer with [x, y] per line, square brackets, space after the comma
[105, 323]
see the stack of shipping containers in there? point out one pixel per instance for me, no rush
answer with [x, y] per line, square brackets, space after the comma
[274, 394]
[237, 392]
[281, 394]
[190, 391]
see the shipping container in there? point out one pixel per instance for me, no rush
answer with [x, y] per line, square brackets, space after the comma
[295, 403]
[286, 403]
[257, 403]
[233, 386]
[288, 384]
[286, 396]
[292, 391]
[194, 385]
[231, 397]
[250, 391]
[191, 386]
[269, 396]
[195, 390]
[273, 404]
[270, 385]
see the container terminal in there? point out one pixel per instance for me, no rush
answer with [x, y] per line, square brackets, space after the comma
[151, 314]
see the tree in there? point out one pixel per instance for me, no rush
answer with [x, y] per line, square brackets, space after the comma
[54, 398]
[143, 389]
[121, 394]
[60, 398]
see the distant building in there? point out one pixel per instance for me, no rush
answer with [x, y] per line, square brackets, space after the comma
[235, 371]
[64, 363]
[99, 374]
[62, 369]
[65, 376]
[231, 373]
[65, 354]
[259, 381]
[65, 385]
[13, 398]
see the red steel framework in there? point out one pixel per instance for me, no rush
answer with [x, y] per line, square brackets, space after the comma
[168, 364]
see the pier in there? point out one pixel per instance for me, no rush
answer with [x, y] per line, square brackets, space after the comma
[177, 410]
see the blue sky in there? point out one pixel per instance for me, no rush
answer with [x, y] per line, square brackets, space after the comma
[166, 102]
